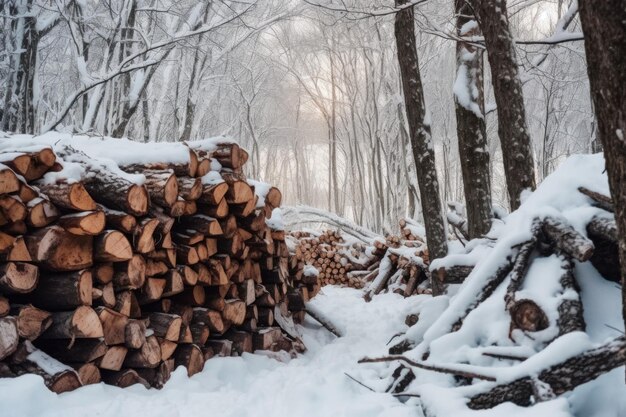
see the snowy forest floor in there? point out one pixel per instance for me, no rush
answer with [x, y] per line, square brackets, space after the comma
[313, 384]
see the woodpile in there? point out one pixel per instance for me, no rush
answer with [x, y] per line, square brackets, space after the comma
[395, 263]
[103, 278]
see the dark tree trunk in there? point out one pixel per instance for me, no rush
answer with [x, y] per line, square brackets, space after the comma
[604, 25]
[470, 125]
[419, 131]
[517, 154]
[18, 113]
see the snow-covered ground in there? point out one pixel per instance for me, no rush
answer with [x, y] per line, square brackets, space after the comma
[314, 384]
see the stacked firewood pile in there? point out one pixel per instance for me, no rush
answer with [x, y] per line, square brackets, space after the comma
[394, 263]
[121, 272]
[533, 274]
[334, 259]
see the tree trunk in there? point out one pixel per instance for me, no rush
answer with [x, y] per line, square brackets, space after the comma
[470, 126]
[605, 42]
[512, 127]
[421, 142]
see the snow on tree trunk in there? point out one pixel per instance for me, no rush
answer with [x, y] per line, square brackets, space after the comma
[604, 25]
[419, 131]
[512, 127]
[470, 127]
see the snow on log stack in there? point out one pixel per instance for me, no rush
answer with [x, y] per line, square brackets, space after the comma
[120, 261]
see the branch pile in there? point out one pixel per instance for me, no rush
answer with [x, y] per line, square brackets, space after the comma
[539, 314]
[120, 261]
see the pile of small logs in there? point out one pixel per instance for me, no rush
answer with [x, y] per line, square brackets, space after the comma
[106, 279]
[395, 263]
[336, 261]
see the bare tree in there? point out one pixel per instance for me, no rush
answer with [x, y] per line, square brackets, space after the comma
[512, 127]
[604, 25]
[419, 129]
[470, 124]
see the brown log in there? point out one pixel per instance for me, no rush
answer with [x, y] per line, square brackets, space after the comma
[600, 200]
[211, 318]
[266, 316]
[165, 222]
[68, 196]
[143, 235]
[123, 302]
[113, 325]
[242, 341]
[81, 350]
[123, 378]
[18, 277]
[155, 268]
[135, 334]
[57, 250]
[166, 255]
[194, 296]
[568, 240]
[200, 333]
[191, 357]
[221, 347]
[5, 307]
[219, 210]
[8, 180]
[85, 223]
[174, 283]
[102, 273]
[112, 246]
[9, 336]
[166, 326]
[26, 193]
[264, 338]
[162, 187]
[201, 223]
[63, 291]
[182, 169]
[167, 348]
[31, 321]
[149, 356]
[190, 277]
[58, 378]
[151, 291]
[13, 209]
[118, 220]
[213, 193]
[234, 311]
[190, 188]
[113, 359]
[80, 323]
[130, 274]
[88, 373]
[41, 213]
[158, 376]
[187, 254]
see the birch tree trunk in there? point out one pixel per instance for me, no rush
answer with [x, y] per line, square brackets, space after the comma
[419, 132]
[470, 124]
[604, 25]
[512, 127]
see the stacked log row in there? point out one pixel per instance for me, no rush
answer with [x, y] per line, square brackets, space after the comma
[336, 261]
[120, 281]
[394, 263]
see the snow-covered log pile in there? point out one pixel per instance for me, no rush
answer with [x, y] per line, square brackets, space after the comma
[121, 260]
[538, 316]
[335, 259]
[376, 264]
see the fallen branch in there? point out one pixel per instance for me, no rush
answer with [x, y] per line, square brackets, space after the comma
[434, 368]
